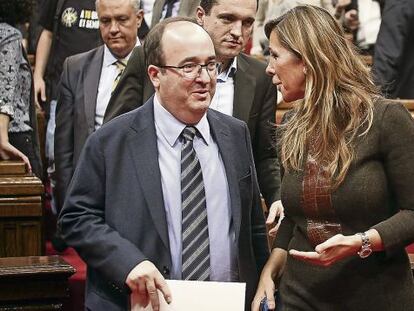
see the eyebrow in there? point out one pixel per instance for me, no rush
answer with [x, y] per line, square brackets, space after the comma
[194, 59]
[234, 16]
[272, 50]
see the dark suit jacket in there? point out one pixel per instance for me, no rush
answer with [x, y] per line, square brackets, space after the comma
[114, 213]
[187, 8]
[75, 114]
[393, 65]
[254, 103]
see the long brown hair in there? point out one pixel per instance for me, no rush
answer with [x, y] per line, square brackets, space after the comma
[339, 92]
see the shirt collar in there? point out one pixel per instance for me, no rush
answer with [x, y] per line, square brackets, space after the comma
[229, 73]
[109, 58]
[171, 128]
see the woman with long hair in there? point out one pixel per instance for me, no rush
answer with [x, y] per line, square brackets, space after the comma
[347, 173]
[18, 129]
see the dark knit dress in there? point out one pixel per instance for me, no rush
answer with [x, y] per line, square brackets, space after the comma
[378, 192]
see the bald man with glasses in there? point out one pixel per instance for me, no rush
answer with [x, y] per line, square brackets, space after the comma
[157, 194]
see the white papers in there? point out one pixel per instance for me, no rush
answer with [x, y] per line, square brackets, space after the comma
[200, 296]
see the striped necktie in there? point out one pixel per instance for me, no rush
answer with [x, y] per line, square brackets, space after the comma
[196, 246]
[120, 67]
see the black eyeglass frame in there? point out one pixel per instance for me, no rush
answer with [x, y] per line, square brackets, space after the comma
[192, 72]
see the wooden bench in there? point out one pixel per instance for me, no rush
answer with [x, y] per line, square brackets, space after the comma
[34, 283]
[283, 107]
[21, 212]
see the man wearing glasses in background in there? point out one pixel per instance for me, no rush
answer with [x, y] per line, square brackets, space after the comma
[157, 193]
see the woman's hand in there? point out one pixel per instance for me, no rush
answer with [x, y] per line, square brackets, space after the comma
[266, 288]
[271, 271]
[7, 150]
[275, 211]
[331, 251]
[339, 247]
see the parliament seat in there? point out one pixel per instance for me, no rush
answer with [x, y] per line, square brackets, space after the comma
[21, 212]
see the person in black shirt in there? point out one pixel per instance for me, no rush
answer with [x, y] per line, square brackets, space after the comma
[69, 27]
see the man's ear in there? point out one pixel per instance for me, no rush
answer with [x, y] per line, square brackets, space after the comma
[153, 74]
[200, 14]
[140, 16]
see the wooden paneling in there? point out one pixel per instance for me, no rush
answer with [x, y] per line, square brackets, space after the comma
[21, 223]
[283, 107]
[20, 238]
[34, 283]
[12, 168]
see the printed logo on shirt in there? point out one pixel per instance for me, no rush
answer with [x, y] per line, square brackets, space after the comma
[89, 19]
[69, 17]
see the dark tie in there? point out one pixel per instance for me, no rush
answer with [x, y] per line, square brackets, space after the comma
[170, 6]
[196, 246]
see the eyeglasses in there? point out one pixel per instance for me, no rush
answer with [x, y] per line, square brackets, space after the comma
[193, 70]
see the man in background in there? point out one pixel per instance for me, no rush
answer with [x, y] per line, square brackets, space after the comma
[69, 27]
[87, 82]
[393, 65]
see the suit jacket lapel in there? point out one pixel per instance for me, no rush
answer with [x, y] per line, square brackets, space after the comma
[222, 137]
[188, 8]
[156, 12]
[143, 146]
[91, 83]
[244, 87]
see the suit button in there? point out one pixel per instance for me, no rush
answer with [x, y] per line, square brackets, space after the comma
[166, 270]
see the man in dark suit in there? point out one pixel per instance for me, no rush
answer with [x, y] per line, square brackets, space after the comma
[149, 200]
[244, 90]
[393, 65]
[170, 8]
[87, 83]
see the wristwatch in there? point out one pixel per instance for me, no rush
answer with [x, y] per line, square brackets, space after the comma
[366, 248]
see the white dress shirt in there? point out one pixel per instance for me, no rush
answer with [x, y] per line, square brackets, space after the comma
[147, 6]
[224, 96]
[109, 72]
[223, 246]
[176, 7]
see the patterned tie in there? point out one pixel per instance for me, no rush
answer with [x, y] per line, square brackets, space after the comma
[120, 67]
[196, 247]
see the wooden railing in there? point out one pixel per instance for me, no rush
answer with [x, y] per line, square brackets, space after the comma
[283, 107]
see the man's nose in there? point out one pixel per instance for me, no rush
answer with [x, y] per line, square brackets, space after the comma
[270, 70]
[114, 27]
[236, 28]
[205, 76]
